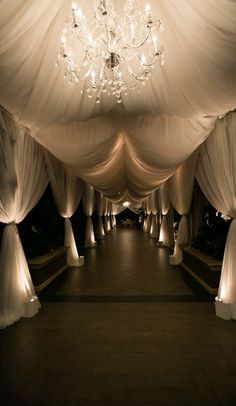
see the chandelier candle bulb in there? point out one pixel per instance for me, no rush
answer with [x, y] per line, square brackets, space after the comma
[110, 54]
[148, 9]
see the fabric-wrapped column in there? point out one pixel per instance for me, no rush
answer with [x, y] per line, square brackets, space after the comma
[113, 220]
[180, 191]
[147, 220]
[67, 191]
[154, 223]
[23, 180]
[88, 205]
[100, 209]
[18, 299]
[73, 259]
[164, 203]
[107, 223]
[216, 175]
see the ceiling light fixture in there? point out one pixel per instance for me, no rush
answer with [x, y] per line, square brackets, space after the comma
[112, 55]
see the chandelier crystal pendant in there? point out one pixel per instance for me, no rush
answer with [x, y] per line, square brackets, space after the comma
[111, 55]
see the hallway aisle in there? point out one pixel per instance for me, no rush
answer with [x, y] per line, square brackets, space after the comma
[127, 263]
[125, 330]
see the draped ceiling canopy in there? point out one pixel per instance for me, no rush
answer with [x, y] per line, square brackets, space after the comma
[125, 151]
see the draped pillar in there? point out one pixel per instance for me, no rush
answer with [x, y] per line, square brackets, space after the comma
[23, 180]
[164, 202]
[216, 175]
[88, 205]
[67, 191]
[111, 215]
[147, 220]
[107, 223]
[180, 191]
[113, 220]
[100, 209]
[154, 220]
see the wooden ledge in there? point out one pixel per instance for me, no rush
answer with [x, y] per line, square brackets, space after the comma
[45, 268]
[43, 260]
[202, 267]
[210, 262]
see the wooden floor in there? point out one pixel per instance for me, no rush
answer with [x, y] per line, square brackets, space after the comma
[126, 329]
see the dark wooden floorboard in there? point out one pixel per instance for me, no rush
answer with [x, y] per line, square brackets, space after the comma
[124, 330]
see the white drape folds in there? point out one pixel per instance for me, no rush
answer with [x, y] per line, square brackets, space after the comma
[125, 158]
[154, 222]
[118, 208]
[181, 190]
[108, 206]
[67, 191]
[148, 219]
[107, 224]
[113, 220]
[164, 202]
[100, 210]
[124, 151]
[216, 175]
[200, 82]
[18, 297]
[88, 205]
[23, 181]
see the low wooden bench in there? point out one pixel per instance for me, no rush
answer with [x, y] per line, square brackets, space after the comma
[203, 268]
[45, 268]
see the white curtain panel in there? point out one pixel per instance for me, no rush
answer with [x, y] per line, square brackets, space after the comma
[113, 220]
[24, 170]
[154, 220]
[180, 187]
[88, 205]
[154, 226]
[164, 202]
[107, 211]
[67, 191]
[148, 222]
[107, 224]
[8, 179]
[99, 198]
[216, 175]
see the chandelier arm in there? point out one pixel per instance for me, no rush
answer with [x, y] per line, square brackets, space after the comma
[105, 23]
[106, 45]
[84, 43]
[148, 65]
[127, 46]
[117, 42]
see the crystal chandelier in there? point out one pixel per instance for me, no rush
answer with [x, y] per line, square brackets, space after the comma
[111, 55]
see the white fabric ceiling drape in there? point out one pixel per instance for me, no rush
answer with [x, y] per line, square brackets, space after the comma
[67, 191]
[216, 175]
[23, 181]
[88, 205]
[125, 164]
[118, 208]
[180, 187]
[198, 77]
